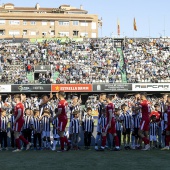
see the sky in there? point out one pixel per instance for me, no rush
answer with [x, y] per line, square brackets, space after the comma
[152, 16]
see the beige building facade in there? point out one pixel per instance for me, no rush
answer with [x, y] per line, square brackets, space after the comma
[37, 22]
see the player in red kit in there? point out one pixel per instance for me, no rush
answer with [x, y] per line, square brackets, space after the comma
[18, 123]
[144, 125]
[167, 124]
[62, 120]
[110, 127]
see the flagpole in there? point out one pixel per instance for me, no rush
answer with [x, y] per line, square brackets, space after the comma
[101, 26]
[133, 29]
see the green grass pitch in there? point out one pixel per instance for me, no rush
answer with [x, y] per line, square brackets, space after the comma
[85, 160]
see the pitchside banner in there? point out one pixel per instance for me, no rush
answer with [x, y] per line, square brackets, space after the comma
[112, 87]
[151, 87]
[72, 87]
[31, 88]
[5, 88]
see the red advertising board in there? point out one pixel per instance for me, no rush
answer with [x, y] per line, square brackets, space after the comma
[72, 87]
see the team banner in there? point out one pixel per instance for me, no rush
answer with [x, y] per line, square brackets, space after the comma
[72, 87]
[31, 88]
[42, 68]
[151, 87]
[5, 88]
[112, 87]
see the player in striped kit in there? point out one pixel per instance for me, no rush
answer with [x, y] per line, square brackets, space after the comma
[75, 105]
[157, 113]
[118, 126]
[11, 120]
[153, 131]
[136, 119]
[126, 119]
[55, 133]
[27, 130]
[45, 122]
[75, 128]
[88, 127]
[110, 126]
[163, 109]
[44, 105]
[27, 105]
[101, 106]
[3, 130]
[102, 123]
[37, 129]
[167, 124]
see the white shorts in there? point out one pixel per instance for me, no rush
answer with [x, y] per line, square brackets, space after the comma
[153, 138]
[45, 134]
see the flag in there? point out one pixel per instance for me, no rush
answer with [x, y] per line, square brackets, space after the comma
[101, 22]
[118, 27]
[134, 25]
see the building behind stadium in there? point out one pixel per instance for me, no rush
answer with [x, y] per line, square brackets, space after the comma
[38, 22]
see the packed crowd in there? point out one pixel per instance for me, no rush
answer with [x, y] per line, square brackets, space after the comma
[135, 118]
[147, 61]
[89, 61]
[83, 62]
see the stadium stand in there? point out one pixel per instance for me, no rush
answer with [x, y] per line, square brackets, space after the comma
[87, 62]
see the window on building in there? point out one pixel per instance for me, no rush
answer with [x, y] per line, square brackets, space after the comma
[44, 22]
[85, 24]
[14, 33]
[93, 35]
[24, 22]
[93, 25]
[76, 23]
[2, 22]
[63, 34]
[52, 22]
[52, 33]
[24, 32]
[75, 33]
[2, 32]
[44, 33]
[14, 22]
[64, 23]
[33, 23]
[84, 34]
[32, 32]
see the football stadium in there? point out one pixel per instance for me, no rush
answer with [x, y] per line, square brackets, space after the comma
[75, 96]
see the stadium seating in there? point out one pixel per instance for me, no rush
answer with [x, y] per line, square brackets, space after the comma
[90, 61]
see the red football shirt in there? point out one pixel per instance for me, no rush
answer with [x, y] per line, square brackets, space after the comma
[19, 108]
[146, 109]
[157, 114]
[110, 106]
[64, 106]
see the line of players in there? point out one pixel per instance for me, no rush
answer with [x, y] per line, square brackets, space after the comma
[141, 121]
[22, 126]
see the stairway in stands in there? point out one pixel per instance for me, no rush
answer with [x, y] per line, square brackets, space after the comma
[30, 77]
[124, 78]
[55, 76]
